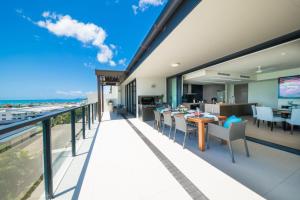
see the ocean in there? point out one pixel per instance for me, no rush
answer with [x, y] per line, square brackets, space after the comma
[39, 101]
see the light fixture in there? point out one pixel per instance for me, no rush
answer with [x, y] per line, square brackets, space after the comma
[175, 64]
[258, 69]
[283, 53]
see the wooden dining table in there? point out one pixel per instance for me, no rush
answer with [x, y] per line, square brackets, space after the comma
[200, 121]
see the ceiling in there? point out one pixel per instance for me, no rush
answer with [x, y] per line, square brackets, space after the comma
[281, 57]
[215, 29]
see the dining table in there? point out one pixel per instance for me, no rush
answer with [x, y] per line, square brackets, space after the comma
[201, 121]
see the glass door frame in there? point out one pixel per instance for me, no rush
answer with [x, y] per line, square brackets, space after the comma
[130, 97]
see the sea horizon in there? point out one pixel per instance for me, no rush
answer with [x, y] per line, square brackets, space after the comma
[40, 101]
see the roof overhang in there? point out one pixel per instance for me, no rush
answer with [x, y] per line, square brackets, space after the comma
[110, 77]
[217, 31]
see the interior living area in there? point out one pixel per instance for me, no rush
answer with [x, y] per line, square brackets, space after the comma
[268, 78]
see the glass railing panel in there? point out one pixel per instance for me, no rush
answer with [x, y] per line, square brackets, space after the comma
[61, 149]
[21, 164]
[78, 123]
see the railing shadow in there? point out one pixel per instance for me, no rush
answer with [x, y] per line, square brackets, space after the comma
[84, 168]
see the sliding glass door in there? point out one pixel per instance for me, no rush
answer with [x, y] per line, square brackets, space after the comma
[130, 94]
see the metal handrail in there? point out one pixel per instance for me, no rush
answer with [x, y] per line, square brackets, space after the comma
[18, 125]
[46, 124]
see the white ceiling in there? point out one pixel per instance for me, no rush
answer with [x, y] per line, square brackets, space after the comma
[217, 28]
[281, 57]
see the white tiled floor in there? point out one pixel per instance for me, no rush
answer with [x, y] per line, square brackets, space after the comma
[121, 166]
[271, 173]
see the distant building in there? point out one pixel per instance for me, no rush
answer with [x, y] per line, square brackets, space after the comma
[11, 115]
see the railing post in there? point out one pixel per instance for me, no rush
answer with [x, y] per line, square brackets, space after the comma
[48, 180]
[83, 122]
[73, 136]
[89, 116]
[96, 111]
[92, 113]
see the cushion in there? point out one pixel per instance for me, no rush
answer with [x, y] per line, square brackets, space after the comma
[230, 120]
[159, 109]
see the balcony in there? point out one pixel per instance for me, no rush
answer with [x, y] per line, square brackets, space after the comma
[128, 159]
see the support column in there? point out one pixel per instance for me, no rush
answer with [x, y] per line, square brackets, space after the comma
[102, 89]
[99, 98]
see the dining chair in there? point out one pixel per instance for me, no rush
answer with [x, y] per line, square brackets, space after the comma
[168, 121]
[182, 125]
[157, 120]
[254, 113]
[236, 131]
[295, 119]
[266, 114]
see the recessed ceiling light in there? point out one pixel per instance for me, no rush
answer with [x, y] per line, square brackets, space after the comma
[175, 64]
[283, 53]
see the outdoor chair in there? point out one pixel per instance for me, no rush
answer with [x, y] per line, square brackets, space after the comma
[266, 114]
[236, 131]
[121, 110]
[158, 120]
[168, 121]
[182, 125]
[295, 119]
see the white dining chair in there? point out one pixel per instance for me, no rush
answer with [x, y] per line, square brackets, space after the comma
[295, 119]
[266, 114]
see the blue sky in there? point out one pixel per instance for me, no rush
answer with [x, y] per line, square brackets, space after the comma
[50, 48]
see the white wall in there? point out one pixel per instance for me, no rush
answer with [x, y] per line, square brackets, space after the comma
[264, 93]
[113, 96]
[147, 86]
[151, 86]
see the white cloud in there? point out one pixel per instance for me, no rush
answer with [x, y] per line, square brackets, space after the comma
[21, 13]
[145, 4]
[112, 63]
[135, 9]
[71, 93]
[89, 65]
[122, 62]
[112, 46]
[87, 33]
